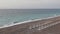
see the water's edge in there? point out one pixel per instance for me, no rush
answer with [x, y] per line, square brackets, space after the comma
[27, 21]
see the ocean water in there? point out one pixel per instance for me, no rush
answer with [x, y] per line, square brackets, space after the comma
[12, 16]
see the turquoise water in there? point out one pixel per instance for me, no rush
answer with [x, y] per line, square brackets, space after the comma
[8, 16]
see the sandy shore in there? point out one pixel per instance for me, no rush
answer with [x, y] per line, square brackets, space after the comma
[33, 27]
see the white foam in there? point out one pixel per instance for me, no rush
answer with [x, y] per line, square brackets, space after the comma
[27, 21]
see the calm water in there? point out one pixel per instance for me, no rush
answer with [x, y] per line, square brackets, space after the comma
[8, 16]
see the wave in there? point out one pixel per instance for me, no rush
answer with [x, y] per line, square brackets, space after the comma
[17, 23]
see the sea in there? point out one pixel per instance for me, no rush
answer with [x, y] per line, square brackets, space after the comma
[12, 16]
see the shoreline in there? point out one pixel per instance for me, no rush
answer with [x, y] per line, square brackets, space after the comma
[5, 26]
[37, 26]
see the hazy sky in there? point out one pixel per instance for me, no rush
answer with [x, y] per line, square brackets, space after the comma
[31, 4]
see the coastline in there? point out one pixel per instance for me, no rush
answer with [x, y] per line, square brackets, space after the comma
[30, 27]
[13, 24]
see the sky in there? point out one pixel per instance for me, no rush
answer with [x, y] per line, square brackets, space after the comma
[29, 4]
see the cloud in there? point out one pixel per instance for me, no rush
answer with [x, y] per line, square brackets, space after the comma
[29, 4]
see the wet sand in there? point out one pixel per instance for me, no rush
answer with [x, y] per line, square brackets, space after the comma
[27, 28]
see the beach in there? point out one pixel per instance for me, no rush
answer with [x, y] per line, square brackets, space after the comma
[29, 16]
[43, 26]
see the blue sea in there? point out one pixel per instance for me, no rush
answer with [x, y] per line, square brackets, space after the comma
[8, 16]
